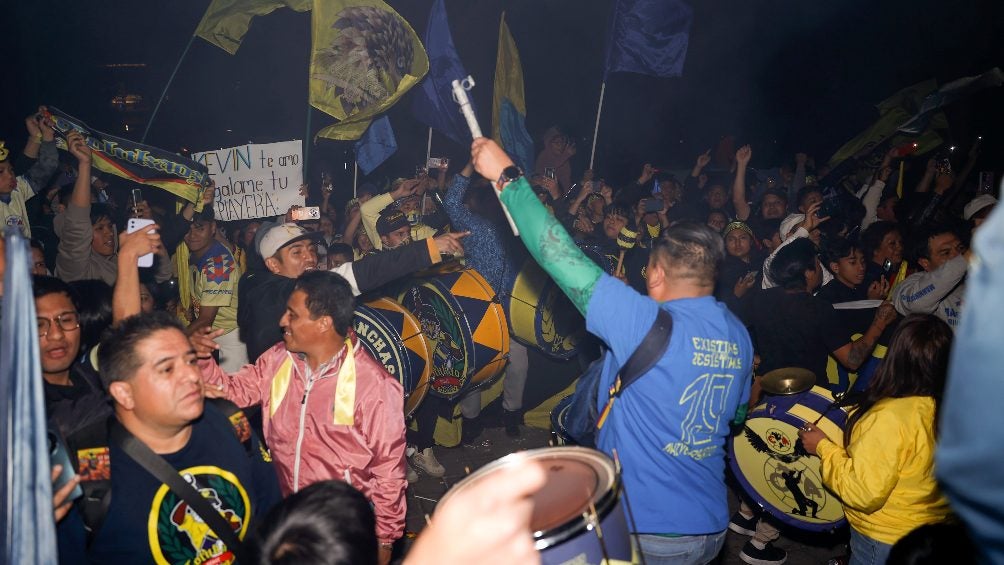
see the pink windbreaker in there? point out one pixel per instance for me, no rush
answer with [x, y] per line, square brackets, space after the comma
[305, 443]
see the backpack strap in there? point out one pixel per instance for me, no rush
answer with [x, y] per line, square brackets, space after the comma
[242, 427]
[89, 453]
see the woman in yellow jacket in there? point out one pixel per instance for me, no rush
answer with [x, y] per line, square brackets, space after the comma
[884, 472]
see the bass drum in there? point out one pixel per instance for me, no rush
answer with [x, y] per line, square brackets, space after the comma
[541, 316]
[461, 317]
[581, 501]
[775, 470]
[395, 339]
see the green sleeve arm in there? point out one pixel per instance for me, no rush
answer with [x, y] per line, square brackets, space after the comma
[551, 245]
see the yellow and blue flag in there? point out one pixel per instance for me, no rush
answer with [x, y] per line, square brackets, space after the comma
[227, 21]
[509, 102]
[365, 56]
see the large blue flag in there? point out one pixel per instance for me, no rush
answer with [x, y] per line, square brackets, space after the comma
[433, 102]
[26, 521]
[376, 145]
[649, 37]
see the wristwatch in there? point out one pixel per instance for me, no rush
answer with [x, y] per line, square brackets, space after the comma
[509, 174]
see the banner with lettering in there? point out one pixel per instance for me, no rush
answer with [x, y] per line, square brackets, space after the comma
[255, 180]
[134, 161]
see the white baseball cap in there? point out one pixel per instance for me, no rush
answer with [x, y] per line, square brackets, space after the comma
[281, 235]
[977, 204]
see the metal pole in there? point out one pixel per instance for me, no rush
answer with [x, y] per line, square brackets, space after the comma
[596, 129]
[355, 177]
[428, 147]
[169, 81]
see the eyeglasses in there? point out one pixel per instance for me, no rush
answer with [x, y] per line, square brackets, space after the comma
[67, 322]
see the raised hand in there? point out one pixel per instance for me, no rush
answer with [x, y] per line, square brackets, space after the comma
[743, 156]
[78, 147]
[811, 220]
[703, 159]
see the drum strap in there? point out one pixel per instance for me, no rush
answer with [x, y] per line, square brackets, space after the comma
[645, 356]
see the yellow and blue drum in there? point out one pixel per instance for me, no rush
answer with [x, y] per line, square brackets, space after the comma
[461, 317]
[775, 470]
[395, 339]
[541, 316]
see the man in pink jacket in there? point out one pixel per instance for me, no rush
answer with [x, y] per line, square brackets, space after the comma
[329, 410]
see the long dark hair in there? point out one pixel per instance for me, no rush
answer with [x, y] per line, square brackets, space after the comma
[915, 365]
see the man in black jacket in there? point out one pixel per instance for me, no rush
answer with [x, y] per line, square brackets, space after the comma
[289, 251]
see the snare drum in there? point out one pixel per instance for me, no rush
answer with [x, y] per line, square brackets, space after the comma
[541, 316]
[466, 327]
[582, 494]
[395, 339]
[773, 467]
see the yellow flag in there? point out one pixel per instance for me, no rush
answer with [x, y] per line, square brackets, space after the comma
[365, 56]
[226, 21]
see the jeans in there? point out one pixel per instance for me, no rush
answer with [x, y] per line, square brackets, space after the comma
[866, 551]
[685, 550]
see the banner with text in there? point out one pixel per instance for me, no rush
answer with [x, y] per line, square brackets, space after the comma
[255, 180]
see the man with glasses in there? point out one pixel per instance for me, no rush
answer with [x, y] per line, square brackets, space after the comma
[73, 393]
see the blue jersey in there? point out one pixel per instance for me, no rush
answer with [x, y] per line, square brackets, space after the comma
[669, 427]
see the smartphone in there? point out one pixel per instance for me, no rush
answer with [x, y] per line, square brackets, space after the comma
[58, 455]
[437, 163]
[307, 213]
[134, 225]
[549, 173]
[653, 205]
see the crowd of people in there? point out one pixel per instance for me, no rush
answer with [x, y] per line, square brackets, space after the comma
[234, 360]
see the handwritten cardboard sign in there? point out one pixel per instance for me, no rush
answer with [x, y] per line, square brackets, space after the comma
[255, 180]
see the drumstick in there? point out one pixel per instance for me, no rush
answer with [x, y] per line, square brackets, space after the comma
[626, 239]
[837, 397]
[620, 263]
[594, 520]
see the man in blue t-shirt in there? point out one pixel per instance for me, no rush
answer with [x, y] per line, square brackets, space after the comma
[668, 429]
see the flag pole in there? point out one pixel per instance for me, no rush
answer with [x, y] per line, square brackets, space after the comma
[596, 129]
[355, 177]
[428, 147]
[169, 81]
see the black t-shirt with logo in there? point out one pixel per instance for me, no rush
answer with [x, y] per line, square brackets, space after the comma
[147, 523]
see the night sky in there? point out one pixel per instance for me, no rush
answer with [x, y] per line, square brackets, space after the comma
[783, 75]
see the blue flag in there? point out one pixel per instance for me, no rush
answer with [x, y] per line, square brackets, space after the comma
[649, 37]
[433, 102]
[26, 523]
[376, 145]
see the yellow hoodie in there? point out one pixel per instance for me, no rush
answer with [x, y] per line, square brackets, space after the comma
[885, 477]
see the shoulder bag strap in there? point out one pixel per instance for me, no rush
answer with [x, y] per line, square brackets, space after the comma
[645, 356]
[164, 472]
[649, 351]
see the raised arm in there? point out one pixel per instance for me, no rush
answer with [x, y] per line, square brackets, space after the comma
[543, 235]
[743, 156]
